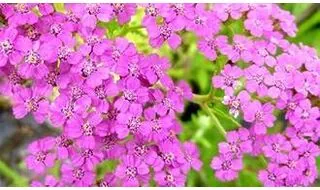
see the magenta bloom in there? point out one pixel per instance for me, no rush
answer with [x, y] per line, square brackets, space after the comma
[276, 147]
[156, 70]
[273, 176]
[132, 171]
[133, 98]
[170, 178]
[237, 103]
[228, 79]
[183, 89]
[307, 83]
[121, 53]
[9, 50]
[154, 128]
[176, 14]
[201, 22]
[40, 155]
[77, 176]
[64, 110]
[192, 157]
[151, 11]
[263, 53]
[93, 71]
[35, 55]
[238, 142]
[20, 14]
[260, 115]
[241, 48]
[87, 157]
[31, 100]
[165, 32]
[225, 11]
[210, 46]
[305, 115]
[226, 168]
[171, 154]
[290, 103]
[278, 83]
[91, 13]
[255, 76]
[49, 181]
[109, 180]
[123, 11]
[100, 94]
[258, 23]
[64, 147]
[167, 105]
[127, 123]
[84, 130]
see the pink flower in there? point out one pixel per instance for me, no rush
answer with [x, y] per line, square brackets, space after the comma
[165, 32]
[226, 167]
[40, 155]
[241, 48]
[31, 100]
[228, 79]
[260, 115]
[132, 172]
[77, 176]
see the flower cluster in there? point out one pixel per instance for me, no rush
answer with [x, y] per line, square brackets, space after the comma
[108, 101]
[111, 102]
[267, 76]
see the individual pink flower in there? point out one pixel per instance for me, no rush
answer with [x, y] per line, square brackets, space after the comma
[261, 116]
[170, 178]
[276, 147]
[255, 76]
[258, 23]
[77, 176]
[237, 103]
[278, 83]
[273, 176]
[31, 100]
[91, 13]
[9, 49]
[240, 48]
[50, 181]
[158, 34]
[228, 79]
[40, 155]
[201, 22]
[226, 168]
[192, 155]
[87, 157]
[238, 143]
[210, 46]
[132, 171]
[63, 110]
[84, 130]
[226, 11]
[133, 98]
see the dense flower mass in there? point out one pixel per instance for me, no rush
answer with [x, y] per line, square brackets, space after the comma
[111, 102]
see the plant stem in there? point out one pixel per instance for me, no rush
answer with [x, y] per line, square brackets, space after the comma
[12, 175]
[200, 99]
[215, 119]
[263, 160]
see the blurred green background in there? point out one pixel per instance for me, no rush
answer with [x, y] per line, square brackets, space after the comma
[187, 64]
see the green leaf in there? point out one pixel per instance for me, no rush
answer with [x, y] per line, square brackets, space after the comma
[248, 179]
[106, 167]
[59, 7]
[12, 175]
